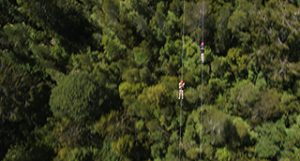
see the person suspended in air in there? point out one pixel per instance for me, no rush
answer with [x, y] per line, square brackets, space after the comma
[181, 88]
[202, 51]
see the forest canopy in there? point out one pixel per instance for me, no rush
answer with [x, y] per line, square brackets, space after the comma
[93, 80]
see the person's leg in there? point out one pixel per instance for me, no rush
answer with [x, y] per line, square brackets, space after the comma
[181, 94]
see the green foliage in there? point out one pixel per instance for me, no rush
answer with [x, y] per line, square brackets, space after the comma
[223, 154]
[270, 139]
[109, 126]
[24, 91]
[106, 152]
[237, 62]
[243, 130]
[76, 98]
[123, 145]
[129, 91]
[268, 106]
[98, 80]
[80, 154]
[243, 97]
[29, 153]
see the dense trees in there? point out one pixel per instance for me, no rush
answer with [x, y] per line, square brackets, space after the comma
[97, 80]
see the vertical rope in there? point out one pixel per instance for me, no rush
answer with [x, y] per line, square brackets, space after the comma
[201, 98]
[202, 40]
[202, 21]
[180, 131]
[181, 77]
[183, 19]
